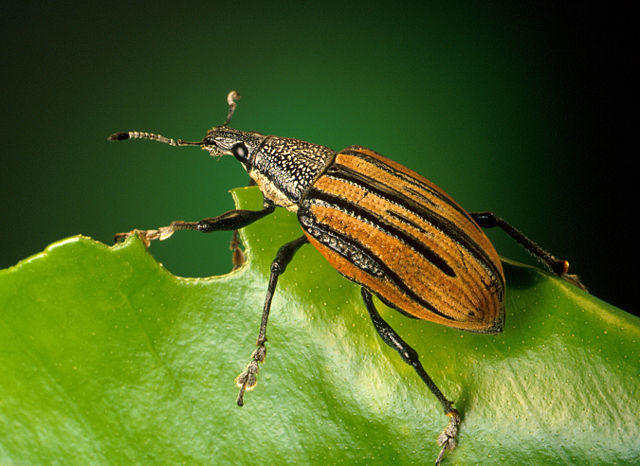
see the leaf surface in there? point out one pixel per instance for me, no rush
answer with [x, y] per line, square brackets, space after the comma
[105, 357]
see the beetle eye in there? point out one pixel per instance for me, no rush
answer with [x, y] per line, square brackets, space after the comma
[240, 152]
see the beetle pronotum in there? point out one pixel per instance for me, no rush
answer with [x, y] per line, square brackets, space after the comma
[380, 225]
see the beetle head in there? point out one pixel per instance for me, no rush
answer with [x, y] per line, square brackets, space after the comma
[222, 140]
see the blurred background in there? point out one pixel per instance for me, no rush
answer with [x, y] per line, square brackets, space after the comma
[522, 108]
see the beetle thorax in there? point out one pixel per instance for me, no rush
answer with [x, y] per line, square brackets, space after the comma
[285, 168]
[271, 192]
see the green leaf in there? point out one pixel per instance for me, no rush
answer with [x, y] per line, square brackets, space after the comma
[105, 357]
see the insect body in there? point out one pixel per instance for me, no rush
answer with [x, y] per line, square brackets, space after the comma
[379, 224]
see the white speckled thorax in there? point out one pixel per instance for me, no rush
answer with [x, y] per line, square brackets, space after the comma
[285, 168]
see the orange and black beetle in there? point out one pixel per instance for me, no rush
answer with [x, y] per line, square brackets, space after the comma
[380, 225]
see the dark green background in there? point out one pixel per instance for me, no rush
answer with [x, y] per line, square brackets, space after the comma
[519, 108]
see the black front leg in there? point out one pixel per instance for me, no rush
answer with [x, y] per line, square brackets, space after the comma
[231, 220]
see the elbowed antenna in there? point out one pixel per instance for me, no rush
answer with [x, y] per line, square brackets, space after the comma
[231, 100]
[232, 97]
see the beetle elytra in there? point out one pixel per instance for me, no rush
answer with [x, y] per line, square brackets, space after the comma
[380, 225]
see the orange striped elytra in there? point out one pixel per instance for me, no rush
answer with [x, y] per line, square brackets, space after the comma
[438, 264]
[380, 225]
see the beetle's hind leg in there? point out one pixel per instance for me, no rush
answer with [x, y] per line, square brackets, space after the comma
[447, 439]
[557, 266]
[247, 379]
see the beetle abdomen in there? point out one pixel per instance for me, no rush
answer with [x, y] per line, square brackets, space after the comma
[391, 230]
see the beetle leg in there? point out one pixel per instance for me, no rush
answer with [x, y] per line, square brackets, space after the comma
[237, 254]
[247, 379]
[557, 266]
[231, 220]
[447, 439]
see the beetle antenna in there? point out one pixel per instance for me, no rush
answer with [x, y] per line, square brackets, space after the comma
[232, 97]
[151, 136]
[231, 100]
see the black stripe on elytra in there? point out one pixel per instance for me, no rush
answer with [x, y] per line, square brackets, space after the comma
[356, 211]
[324, 234]
[404, 219]
[411, 180]
[392, 195]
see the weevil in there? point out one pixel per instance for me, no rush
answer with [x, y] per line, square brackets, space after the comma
[381, 225]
